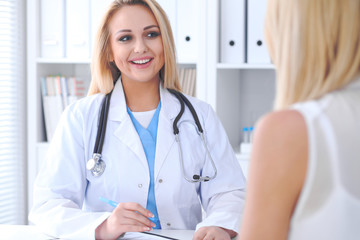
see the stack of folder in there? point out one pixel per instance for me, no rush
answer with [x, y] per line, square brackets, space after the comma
[184, 16]
[57, 93]
[242, 32]
[67, 28]
[187, 78]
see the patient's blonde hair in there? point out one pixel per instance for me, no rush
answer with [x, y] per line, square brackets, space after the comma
[315, 46]
[104, 72]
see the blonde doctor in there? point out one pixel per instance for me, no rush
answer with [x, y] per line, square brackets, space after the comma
[146, 175]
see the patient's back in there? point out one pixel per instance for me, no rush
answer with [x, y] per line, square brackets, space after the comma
[329, 204]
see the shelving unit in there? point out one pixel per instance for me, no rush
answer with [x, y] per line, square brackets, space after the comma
[239, 93]
[244, 66]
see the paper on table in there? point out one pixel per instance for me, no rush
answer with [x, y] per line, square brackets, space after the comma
[161, 234]
[131, 235]
[143, 236]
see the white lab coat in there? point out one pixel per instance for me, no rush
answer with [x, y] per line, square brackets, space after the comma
[66, 194]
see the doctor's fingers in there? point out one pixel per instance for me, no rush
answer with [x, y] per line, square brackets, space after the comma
[131, 206]
[199, 234]
[117, 228]
[203, 236]
[133, 217]
[119, 222]
[211, 233]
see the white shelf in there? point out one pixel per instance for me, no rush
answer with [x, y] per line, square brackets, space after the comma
[63, 61]
[239, 93]
[244, 66]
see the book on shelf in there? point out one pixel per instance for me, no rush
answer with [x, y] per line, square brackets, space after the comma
[187, 79]
[57, 93]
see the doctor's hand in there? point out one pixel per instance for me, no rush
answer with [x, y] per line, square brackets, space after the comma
[126, 217]
[213, 233]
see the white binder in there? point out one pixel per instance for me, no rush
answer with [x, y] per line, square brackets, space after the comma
[256, 48]
[52, 103]
[52, 24]
[169, 6]
[232, 31]
[97, 11]
[187, 30]
[77, 29]
[53, 108]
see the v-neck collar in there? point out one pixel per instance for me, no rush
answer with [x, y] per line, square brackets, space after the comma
[152, 127]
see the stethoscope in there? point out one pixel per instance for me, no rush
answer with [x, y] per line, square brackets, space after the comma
[97, 166]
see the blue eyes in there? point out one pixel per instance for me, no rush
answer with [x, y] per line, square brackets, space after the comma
[149, 35]
[125, 38]
[153, 34]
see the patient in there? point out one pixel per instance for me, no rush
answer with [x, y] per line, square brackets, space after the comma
[305, 163]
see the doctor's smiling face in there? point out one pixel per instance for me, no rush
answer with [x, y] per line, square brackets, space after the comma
[136, 44]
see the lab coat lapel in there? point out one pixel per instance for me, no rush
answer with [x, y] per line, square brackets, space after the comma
[165, 136]
[125, 131]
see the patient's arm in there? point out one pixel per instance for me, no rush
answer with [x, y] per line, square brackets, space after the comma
[277, 171]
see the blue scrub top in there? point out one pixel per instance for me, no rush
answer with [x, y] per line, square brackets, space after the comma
[148, 140]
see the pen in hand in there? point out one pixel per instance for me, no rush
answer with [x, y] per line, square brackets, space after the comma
[114, 204]
[110, 202]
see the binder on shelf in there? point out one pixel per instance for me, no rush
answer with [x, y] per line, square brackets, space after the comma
[77, 87]
[256, 48]
[232, 31]
[57, 93]
[97, 11]
[169, 7]
[187, 30]
[64, 90]
[193, 83]
[52, 28]
[187, 79]
[77, 29]
[49, 86]
[52, 105]
[190, 81]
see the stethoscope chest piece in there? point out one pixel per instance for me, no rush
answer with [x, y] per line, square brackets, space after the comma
[96, 165]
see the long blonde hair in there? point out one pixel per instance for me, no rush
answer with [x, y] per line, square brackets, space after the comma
[104, 72]
[315, 46]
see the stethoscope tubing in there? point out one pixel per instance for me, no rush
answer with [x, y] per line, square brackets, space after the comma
[99, 166]
[100, 136]
[182, 99]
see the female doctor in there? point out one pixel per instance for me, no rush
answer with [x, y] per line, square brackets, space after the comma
[147, 173]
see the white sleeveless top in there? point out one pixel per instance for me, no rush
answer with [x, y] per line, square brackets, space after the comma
[329, 204]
